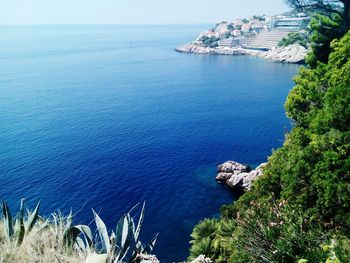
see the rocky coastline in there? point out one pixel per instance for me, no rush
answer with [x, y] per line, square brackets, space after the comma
[291, 54]
[238, 176]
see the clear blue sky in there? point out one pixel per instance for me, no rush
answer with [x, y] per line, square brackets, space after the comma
[132, 11]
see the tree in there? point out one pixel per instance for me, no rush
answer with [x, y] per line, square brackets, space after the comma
[331, 20]
[302, 200]
[327, 7]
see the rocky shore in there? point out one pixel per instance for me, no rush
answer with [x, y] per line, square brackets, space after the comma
[237, 175]
[290, 54]
[193, 48]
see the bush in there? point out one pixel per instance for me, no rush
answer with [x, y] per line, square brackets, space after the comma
[301, 39]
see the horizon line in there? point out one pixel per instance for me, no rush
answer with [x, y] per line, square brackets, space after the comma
[111, 24]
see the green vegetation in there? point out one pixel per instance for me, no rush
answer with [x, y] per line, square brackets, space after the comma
[299, 210]
[295, 38]
[209, 41]
[230, 27]
[30, 238]
[260, 18]
[330, 20]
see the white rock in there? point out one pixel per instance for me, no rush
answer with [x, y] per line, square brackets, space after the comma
[237, 175]
[202, 259]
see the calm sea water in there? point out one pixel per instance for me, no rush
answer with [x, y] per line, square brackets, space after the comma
[111, 115]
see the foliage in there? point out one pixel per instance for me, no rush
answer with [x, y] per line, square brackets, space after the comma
[209, 41]
[74, 241]
[323, 30]
[120, 246]
[337, 252]
[260, 225]
[212, 238]
[309, 176]
[260, 18]
[321, 6]
[294, 38]
[331, 20]
[16, 228]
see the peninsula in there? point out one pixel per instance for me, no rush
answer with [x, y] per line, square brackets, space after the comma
[281, 38]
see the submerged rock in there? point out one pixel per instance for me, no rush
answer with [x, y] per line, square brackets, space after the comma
[237, 175]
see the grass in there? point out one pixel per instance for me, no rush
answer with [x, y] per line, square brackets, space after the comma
[40, 245]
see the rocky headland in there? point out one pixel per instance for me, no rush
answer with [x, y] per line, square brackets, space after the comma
[237, 175]
[291, 54]
[280, 38]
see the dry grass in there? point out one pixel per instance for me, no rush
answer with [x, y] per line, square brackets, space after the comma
[39, 246]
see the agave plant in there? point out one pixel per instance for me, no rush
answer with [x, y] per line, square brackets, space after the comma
[16, 228]
[123, 245]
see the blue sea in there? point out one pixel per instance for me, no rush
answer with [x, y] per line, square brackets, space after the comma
[108, 116]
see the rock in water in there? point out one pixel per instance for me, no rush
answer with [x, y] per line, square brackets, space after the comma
[237, 175]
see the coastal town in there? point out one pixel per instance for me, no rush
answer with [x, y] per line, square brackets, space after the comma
[280, 38]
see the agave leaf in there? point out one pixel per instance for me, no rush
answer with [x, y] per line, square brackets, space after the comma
[128, 229]
[139, 225]
[70, 236]
[69, 219]
[122, 231]
[137, 251]
[119, 231]
[16, 226]
[87, 233]
[130, 242]
[55, 223]
[150, 246]
[80, 244]
[102, 230]
[8, 221]
[133, 208]
[20, 230]
[32, 219]
[121, 255]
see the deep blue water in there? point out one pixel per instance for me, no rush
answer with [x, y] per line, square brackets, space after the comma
[111, 115]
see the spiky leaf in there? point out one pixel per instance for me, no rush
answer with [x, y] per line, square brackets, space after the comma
[8, 221]
[150, 246]
[139, 225]
[102, 230]
[32, 219]
[20, 230]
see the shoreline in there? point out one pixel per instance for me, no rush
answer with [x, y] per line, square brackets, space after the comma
[293, 54]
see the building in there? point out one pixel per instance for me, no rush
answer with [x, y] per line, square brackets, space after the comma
[246, 28]
[290, 23]
[228, 42]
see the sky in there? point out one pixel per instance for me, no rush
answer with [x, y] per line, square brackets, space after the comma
[22, 12]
